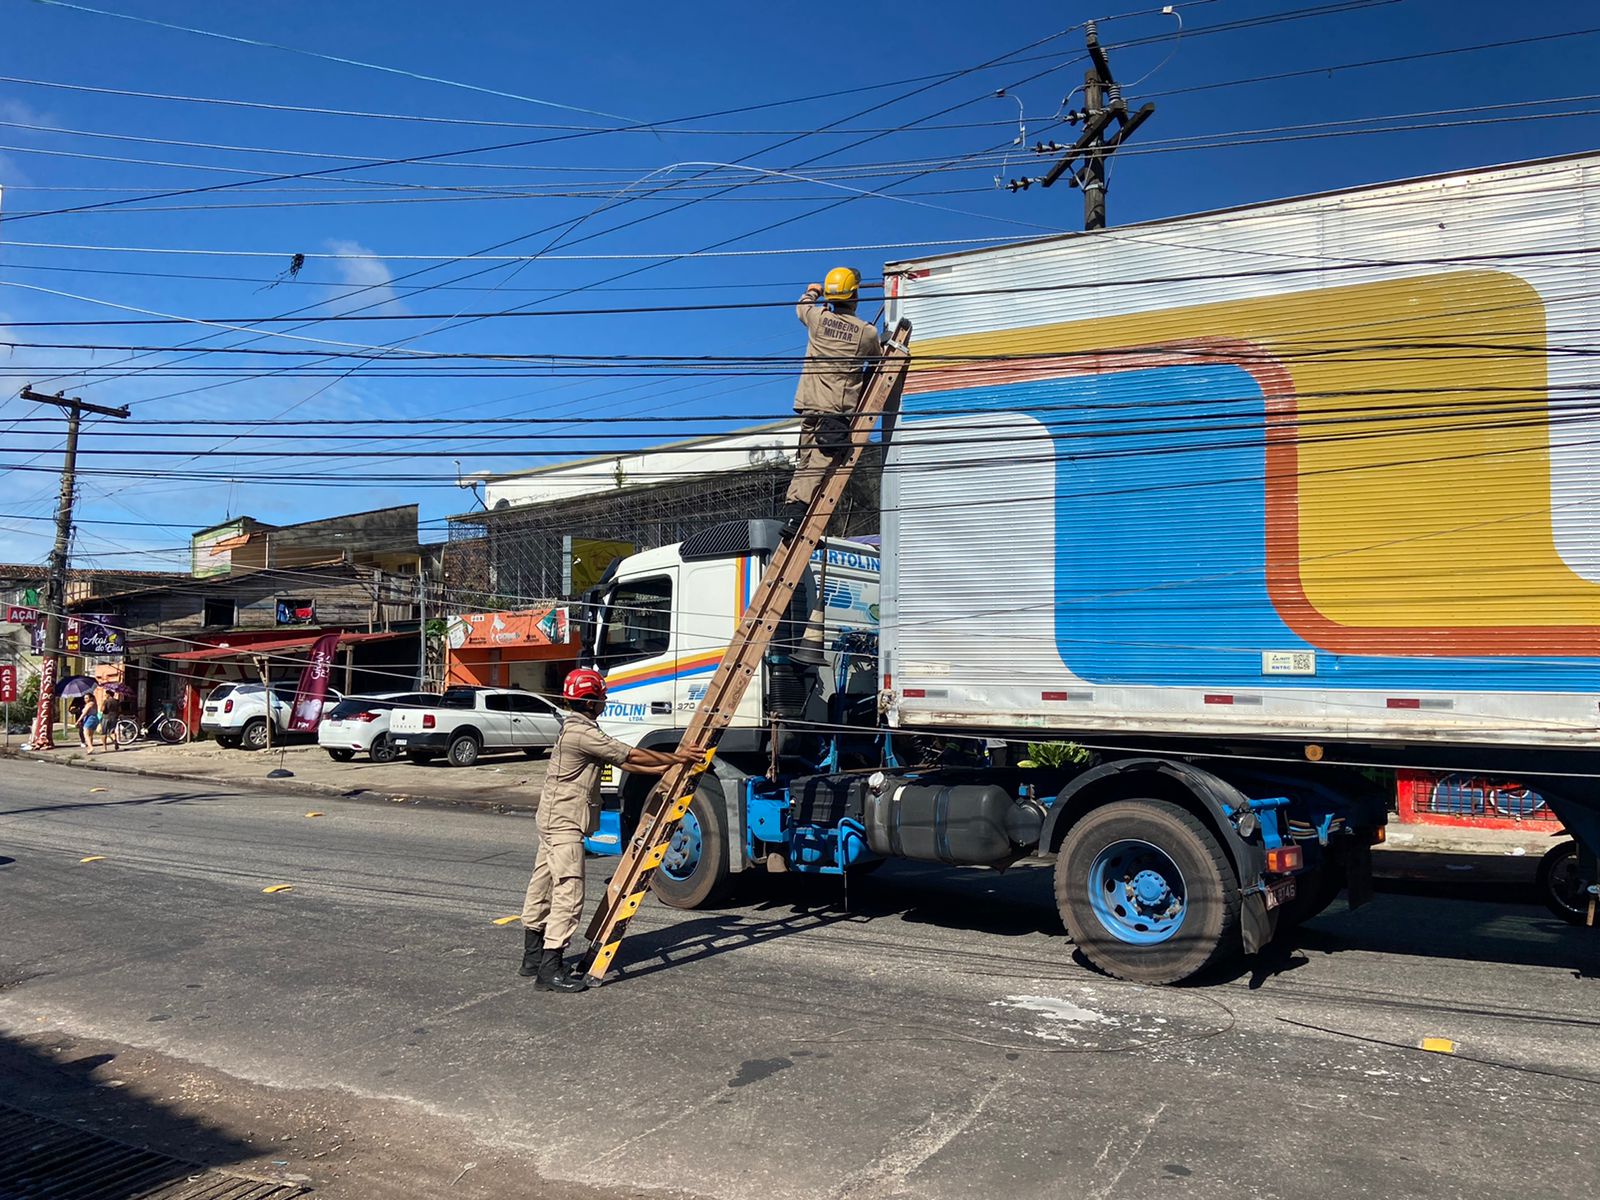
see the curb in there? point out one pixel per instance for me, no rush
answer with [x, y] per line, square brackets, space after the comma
[321, 791]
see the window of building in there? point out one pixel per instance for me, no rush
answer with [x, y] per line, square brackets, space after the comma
[638, 621]
[220, 611]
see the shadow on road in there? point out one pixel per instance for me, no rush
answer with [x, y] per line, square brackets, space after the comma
[136, 802]
[56, 1103]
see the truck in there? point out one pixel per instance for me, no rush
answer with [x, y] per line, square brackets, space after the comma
[464, 722]
[1190, 530]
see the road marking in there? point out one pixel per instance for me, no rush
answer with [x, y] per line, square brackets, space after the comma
[92, 791]
[278, 887]
[316, 814]
[93, 858]
[507, 920]
[1439, 1045]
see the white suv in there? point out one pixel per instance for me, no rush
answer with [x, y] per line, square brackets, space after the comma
[360, 725]
[236, 713]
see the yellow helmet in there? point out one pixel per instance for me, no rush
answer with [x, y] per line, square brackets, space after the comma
[841, 285]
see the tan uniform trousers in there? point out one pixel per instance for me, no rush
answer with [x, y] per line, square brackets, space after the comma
[810, 462]
[555, 893]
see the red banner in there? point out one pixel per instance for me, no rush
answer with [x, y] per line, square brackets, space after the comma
[44, 737]
[307, 713]
[8, 683]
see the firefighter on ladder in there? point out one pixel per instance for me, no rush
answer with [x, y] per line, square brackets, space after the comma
[840, 352]
[569, 808]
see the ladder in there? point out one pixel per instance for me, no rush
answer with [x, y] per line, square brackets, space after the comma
[669, 800]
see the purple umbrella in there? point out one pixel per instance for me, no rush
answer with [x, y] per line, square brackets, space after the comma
[75, 685]
[116, 689]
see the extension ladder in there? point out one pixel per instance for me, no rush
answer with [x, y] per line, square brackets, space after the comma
[669, 799]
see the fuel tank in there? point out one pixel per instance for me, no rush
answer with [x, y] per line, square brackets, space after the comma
[961, 824]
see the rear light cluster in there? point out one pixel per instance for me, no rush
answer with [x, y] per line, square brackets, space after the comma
[367, 716]
[227, 706]
[1285, 860]
[427, 721]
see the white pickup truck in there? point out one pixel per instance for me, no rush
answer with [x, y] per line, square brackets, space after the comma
[468, 721]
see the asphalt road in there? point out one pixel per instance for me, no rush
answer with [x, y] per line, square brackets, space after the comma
[938, 1040]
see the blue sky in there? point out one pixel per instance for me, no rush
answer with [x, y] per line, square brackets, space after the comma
[640, 63]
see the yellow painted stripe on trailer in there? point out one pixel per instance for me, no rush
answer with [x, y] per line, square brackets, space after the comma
[629, 906]
[653, 859]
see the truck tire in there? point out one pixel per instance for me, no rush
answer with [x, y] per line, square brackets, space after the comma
[381, 750]
[254, 734]
[695, 871]
[1146, 892]
[228, 741]
[341, 755]
[1558, 884]
[421, 757]
[464, 750]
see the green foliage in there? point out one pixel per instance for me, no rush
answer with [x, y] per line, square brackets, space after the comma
[1054, 754]
[21, 712]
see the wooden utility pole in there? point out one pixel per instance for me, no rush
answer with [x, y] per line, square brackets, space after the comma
[1106, 125]
[56, 602]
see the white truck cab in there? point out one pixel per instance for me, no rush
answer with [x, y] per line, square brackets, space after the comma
[664, 618]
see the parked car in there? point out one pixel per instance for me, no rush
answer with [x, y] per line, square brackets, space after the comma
[236, 713]
[466, 721]
[360, 724]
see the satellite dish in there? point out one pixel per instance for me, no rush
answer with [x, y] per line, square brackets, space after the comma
[501, 503]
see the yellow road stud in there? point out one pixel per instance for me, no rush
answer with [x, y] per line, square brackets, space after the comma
[278, 887]
[1439, 1045]
[93, 858]
[315, 814]
[94, 790]
[507, 920]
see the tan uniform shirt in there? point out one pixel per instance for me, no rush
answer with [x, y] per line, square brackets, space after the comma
[837, 354]
[570, 802]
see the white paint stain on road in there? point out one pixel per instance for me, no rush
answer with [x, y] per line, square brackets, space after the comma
[1054, 1008]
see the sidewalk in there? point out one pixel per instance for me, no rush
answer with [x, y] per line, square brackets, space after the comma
[1461, 853]
[499, 782]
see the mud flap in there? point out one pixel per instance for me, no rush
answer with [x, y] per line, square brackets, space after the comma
[1358, 876]
[1256, 923]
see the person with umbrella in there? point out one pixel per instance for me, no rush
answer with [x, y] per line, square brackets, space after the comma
[85, 712]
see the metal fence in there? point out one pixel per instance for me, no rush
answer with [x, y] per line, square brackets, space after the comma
[514, 556]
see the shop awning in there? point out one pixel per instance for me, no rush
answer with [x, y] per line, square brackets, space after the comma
[278, 645]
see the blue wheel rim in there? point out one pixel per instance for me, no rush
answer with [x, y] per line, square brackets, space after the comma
[683, 852]
[1137, 892]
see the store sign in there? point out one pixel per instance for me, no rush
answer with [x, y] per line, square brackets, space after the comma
[499, 630]
[8, 683]
[93, 633]
[18, 614]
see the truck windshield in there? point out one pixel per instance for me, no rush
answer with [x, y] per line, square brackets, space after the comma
[638, 621]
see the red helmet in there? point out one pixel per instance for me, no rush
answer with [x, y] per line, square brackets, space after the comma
[584, 684]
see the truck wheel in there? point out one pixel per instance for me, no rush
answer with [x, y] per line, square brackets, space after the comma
[421, 757]
[341, 755]
[1559, 885]
[254, 734]
[463, 750]
[695, 871]
[1146, 892]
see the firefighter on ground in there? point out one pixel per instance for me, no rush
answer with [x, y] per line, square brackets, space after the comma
[840, 351]
[569, 808]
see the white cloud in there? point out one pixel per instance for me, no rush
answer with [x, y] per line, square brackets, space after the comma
[365, 272]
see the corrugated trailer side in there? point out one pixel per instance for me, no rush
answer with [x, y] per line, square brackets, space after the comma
[1321, 469]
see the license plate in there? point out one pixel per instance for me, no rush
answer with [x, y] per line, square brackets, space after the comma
[399, 743]
[1280, 893]
[211, 710]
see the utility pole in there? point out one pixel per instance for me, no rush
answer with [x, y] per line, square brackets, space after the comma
[1103, 108]
[56, 602]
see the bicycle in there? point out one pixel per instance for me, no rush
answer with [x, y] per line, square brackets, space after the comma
[164, 728]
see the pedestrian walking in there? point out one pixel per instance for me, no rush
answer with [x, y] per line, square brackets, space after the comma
[88, 720]
[569, 808]
[108, 721]
[840, 351]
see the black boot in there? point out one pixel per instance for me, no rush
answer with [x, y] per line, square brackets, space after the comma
[532, 947]
[794, 511]
[556, 976]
